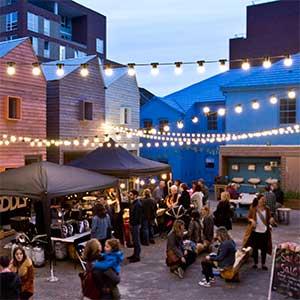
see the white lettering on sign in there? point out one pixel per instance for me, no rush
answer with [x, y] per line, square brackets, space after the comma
[8, 203]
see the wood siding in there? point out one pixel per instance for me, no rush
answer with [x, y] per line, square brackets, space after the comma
[32, 90]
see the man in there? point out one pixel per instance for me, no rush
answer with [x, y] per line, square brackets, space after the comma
[232, 190]
[135, 222]
[204, 189]
[10, 283]
[159, 192]
[278, 194]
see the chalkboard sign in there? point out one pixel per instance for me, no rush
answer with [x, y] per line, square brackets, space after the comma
[286, 271]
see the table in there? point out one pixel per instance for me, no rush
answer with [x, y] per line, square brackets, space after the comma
[71, 239]
[242, 204]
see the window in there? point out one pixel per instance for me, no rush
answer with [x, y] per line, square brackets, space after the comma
[209, 163]
[162, 124]
[46, 27]
[30, 159]
[62, 52]
[35, 44]
[148, 124]
[12, 21]
[125, 116]
[287, 111]
[7, 2]
[99, 46]
[212, 121]
[11, 37]
[46, 49]
[86, 111]
[32, 22]
[13, 111]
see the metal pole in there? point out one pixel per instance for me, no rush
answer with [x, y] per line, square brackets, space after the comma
[272, 275]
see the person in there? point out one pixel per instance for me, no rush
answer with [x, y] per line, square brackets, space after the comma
[177, 182]
[204, 189]
[173, 197]
[195, 228]
[270, 200]
[208, 226]
[98, 284]
[103, 200]
[192, 190]
[101, 225]
[184, 199]
[278, 194]
[149, 215]
[159, 192]
[224, 259]
[223, 214]
[135, 224]
[258, 233]
[197, 198]
[178, 259]
[232, 190]
[10, 282]
[22, 265]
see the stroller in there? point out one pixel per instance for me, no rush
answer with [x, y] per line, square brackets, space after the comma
[173, 214]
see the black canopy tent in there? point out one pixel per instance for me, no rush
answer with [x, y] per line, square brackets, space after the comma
[119, 162]
[44, 181]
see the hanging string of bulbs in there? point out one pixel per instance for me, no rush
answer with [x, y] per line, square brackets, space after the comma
[178, 66]
[157, 141]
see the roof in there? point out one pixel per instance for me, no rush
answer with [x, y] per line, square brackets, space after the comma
[70, 65]
[145, 96]
[207, 90]
[7, 46]
[117, 73]
[277, 75]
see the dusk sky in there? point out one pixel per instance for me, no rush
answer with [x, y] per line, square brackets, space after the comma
[143, 31]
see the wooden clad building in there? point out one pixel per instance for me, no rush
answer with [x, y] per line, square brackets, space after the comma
[22, 105]
[75, 106]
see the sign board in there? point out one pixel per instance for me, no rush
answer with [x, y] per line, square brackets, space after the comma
[286, 270]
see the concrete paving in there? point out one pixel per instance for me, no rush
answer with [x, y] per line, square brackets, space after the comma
[150, 278]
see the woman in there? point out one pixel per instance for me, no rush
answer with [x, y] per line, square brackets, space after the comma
[208, 226]
[197, 198]
[101, 225]
[185, 199]
[172, 198]
[195, 228]
[223, 214]
[258, 233]
[223, 260]
[97, 284]
[22, 265]
[178, 259]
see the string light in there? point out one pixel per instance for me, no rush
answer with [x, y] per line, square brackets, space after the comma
[195, 119]
[166, 128]
[267, 62]
[222, 65]
[131, 69]
[206, 110]
[108, 70]
[122, 186]
[154, 69]
[84, 71]
[291, 94]
[11, 69]
[180, 125]
[238, 109]
[164, 176]
[288, 61]
[60, 70]
[273, 99]
[152, 181]
[221, 111]
[201, 67]
[178, 68]
[142, 183]
[246, 65]
[36, 70]
[255, 104]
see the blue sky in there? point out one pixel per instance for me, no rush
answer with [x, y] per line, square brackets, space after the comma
[143, 31]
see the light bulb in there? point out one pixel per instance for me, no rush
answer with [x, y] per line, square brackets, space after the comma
[288, 61]
[238, 109]
[255, 104]
[246, 65]
[156, 144]
[137, 181]
[201, 67]
[142, 183]
[267, 63]
[195, 119]
[122, 186]
[206, 109]
[164, 176]
[222, 65]
[153, 131]
[166, 128]
[36, 70]
[60, 70]
[221, 111]
[291, 94]
[154, 69]
[273, 99]
[11, 69]
[180, 124]
[108, 70]
[178, 68]
[84, 71]
[131, 70]
[152, 181]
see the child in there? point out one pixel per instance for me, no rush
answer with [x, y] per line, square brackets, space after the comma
[112, 258]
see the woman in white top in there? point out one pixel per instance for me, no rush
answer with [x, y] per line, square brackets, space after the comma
[197, 198]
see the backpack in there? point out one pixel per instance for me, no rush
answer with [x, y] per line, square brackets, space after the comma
[89, 289]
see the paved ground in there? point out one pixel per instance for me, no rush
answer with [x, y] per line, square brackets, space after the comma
[150, 279]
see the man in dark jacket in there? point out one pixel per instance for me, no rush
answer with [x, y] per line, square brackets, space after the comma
[135, 222]
[10, 283]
